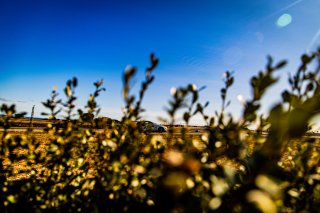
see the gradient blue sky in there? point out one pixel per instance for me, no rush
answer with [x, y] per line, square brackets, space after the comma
[44, 43]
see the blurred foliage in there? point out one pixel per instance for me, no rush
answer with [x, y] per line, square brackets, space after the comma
[115, 166]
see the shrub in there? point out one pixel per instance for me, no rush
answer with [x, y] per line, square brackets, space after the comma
[124, 169]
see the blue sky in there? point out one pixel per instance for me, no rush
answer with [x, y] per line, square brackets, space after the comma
[45, 43]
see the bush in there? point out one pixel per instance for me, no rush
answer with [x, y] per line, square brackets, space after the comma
[124, 169]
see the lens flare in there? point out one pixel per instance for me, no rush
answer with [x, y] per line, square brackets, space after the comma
[284, 20]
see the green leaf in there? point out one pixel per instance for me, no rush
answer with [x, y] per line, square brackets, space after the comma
[286, 96]
[281, 64]
[298, 122]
